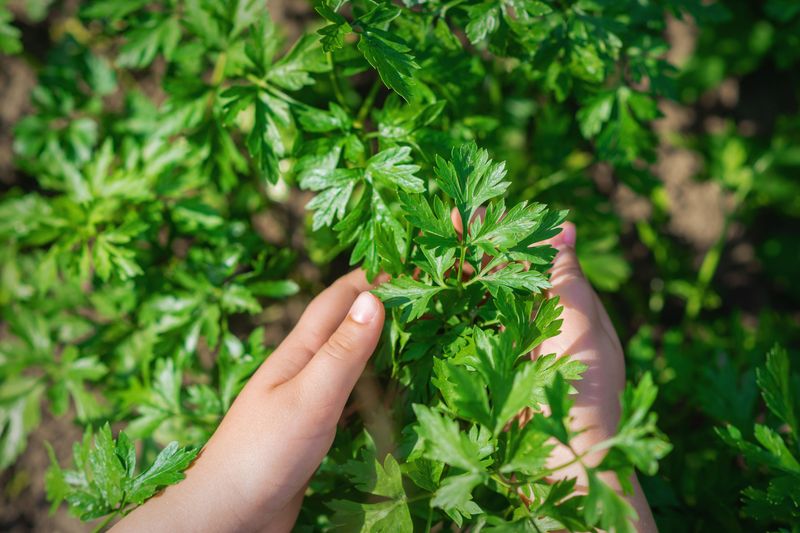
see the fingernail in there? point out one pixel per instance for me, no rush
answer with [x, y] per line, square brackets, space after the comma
[568, 235]
[364, 308]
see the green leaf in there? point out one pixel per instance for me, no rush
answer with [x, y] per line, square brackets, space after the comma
[333, 34]
[392, 60]
[9, 35]
[167, 469]
[437, 264]
[514, 276]
[775, 444]
[145, 42]
[389, 166]
[637, 436]
[444, 441]
[274, 288]
[560, 403]
[104, 479]
[606, 508]
[774, 380]
[319, 121]
[470, 178]
[335, 190]
[106, 470]
[272, 118]
[408, 294]
[527, 451]
[112, 9]
[245, 14]
[433, 220]
[484, 19]
[455, 492]
[392, 514]
[20, 413]
[293, 71]
[464, 391]
[238, 298]
[424, 472]
[595, 113]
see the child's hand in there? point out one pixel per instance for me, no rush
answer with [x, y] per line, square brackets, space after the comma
[588, 336]
[254, 470]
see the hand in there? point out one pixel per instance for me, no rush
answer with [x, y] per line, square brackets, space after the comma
[588, 336]
[253, 472]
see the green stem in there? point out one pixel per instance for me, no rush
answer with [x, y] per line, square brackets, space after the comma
[430, 519]
[410, 241]
[708, 267]
[449, 5]
[107, 520]
[366, 106]
[218, 75]
[462, 258]
[337, 90]
[574, 460]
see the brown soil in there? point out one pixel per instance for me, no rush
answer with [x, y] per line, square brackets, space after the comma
[23, 506]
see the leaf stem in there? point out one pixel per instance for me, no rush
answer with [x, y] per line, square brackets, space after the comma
[449, 5]
[366, 106]
[461, 259]
[337, 90]
[107, 520]
[708, 267]
[218, 75]
[430, 519]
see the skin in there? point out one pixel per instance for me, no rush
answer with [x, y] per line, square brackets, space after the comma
[253, 472]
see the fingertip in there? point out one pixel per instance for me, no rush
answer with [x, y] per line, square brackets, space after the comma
[365, 308]
[332, 372]
[569, 234]
[455, 218]
[567, 237]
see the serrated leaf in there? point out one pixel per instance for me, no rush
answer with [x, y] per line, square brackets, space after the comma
[167, 469]
[456, 491]
[391, 167]
[385, 516]
[443, 441]
[293, 71]
[393, 61]
[470, 178]
[158, 35]
[408, 294]
[484, 18]
[774, 380]
[608, 509]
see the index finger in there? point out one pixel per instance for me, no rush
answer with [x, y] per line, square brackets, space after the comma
[317, 323]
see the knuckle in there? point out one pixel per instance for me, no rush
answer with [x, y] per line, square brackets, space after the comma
[567, 273]
[566, 267]
[316, 405]
[339, 346]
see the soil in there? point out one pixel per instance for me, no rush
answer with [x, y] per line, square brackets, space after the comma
[23, 506]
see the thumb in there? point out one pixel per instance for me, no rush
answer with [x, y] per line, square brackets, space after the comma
[574, 292]
[330, 376]
[582, 310]
[566, 276]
